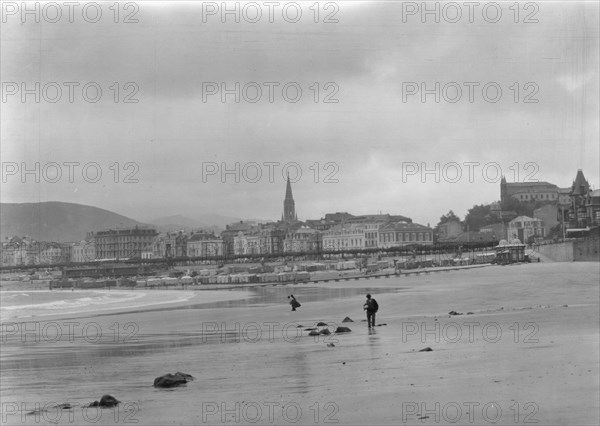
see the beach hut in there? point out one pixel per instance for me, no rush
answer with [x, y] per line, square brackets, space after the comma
[510, 252]
[186, 280]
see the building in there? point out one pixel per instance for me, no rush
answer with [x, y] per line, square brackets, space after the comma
[564, 197]
[18, 251]
[528, 191]
[320, 224]
[338, 217]
[549, 214]
[175, 244]
[229, 234]
[247, 243]
[289, 206]
[126, 243]
[398, 234]
[510, 252]
[449, 230]
[372, 223]
[577, 215]
[53, 253]
[302, 239]
[344, 237]
[592, 206]
[261, 239]
[272, 238]
[83, 251]
[204, 244]
[525, 229]
[497, 231]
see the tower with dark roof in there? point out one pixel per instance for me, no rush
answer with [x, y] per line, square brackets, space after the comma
[289, 207]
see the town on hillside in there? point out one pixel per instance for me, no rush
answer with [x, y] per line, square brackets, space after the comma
[530, 214]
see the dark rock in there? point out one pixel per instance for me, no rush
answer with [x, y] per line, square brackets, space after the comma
[321, 324]
[454, 313]
[330, 345]
[347, 319]
[427, 349]
[379, 325]
[299, 326]
[469, 313]
[172, 380]
[313, 333]
[342, 330]
[325, 331]
[188, 377]
[310, 329]
[106, 401]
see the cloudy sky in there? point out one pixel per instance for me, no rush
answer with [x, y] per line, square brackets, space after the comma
[517, 94]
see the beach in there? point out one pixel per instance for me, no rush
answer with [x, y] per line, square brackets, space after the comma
[525, 349]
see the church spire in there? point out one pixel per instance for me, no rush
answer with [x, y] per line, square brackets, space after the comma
[289, 208]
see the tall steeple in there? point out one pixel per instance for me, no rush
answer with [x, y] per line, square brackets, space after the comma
[289, 208]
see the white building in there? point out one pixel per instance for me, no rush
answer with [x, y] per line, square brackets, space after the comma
[344, 237]
[524, 228]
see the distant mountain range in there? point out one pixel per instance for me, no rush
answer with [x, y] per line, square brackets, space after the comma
[202, 221]
[63, 222]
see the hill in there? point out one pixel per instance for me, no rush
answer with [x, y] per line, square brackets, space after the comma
[57, 221]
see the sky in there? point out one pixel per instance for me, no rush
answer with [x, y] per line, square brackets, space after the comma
[154, 109]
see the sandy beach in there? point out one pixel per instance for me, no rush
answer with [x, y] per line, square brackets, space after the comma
[527, 352]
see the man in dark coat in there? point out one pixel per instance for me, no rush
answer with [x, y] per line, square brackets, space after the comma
[371, 307]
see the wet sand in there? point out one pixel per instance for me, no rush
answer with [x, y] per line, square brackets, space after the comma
[521, 356]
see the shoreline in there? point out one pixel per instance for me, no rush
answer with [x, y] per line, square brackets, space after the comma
[532, 340]
[17, 285]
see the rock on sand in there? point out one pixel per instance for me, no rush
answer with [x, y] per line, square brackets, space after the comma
[172, 380]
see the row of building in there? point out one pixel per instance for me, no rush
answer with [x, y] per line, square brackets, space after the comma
[576, 209]
[577, 206]
[26, 251]
[243, 238]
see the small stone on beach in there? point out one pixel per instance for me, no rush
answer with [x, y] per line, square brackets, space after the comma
[172, 380]
[427, 349]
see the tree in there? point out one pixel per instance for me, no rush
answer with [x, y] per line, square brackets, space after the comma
[448, 217]
[523, 208]
[479, 216]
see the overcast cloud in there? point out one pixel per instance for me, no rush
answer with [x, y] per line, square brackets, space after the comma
[367, 136]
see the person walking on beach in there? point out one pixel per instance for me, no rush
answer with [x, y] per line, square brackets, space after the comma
[293, 302]
[371, 307]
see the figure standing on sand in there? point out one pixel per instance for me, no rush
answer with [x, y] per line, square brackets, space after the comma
[293, 302]
[371, 307]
